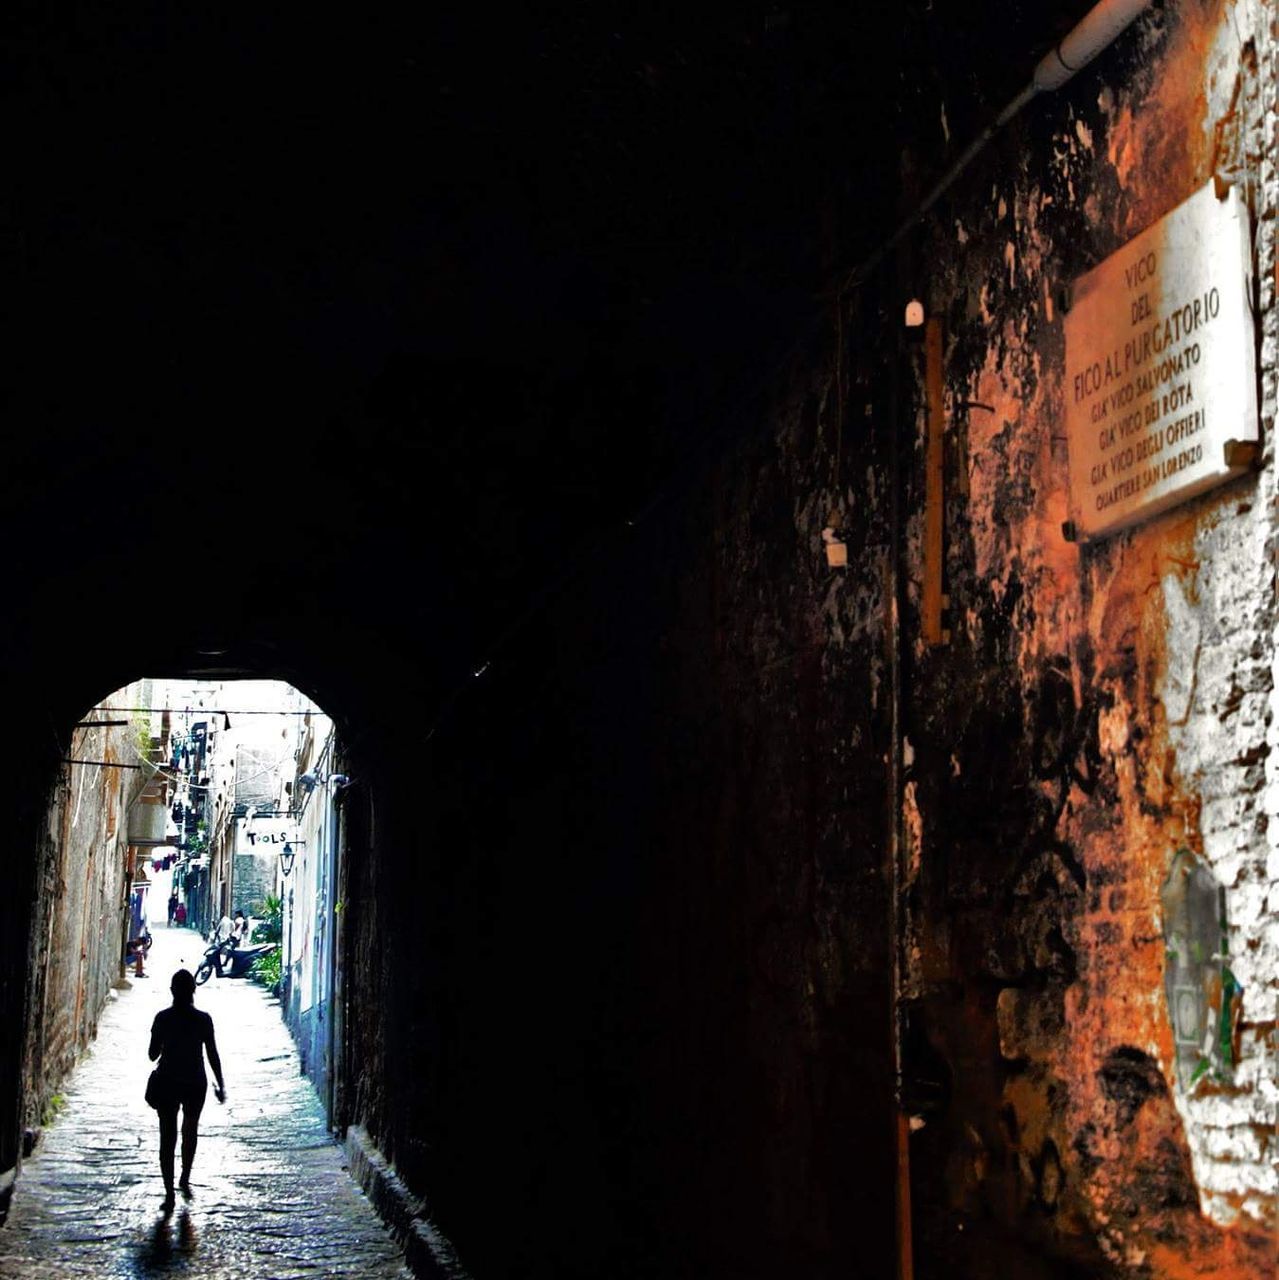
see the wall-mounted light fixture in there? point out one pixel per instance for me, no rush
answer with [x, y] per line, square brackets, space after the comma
[836, 548]
[287, 854]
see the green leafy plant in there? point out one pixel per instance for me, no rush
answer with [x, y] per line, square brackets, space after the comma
[142, 735]
[271, 927]
[266, 970]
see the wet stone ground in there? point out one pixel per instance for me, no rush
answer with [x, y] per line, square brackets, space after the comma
[271, 1197]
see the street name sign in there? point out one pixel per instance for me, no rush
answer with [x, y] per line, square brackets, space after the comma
[1161, 384]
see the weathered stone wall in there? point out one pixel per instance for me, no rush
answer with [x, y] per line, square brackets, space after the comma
[1097, 709]
[30, 772]
[623, 936]
[620, 978]
[80, 909]
[254, 878]
[653, 903]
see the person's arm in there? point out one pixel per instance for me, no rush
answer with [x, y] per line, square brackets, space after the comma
[156, 1046]
[211, 1048]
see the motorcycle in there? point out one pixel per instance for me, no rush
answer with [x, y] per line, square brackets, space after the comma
[236, 961]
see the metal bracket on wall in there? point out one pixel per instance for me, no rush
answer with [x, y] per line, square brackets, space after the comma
[105, 764]
[1241, 453]
[934, 487]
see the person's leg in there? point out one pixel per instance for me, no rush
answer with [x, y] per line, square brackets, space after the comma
[191, 1108]
[168, 1141]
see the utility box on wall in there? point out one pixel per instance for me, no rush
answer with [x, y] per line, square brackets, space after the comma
[1203, 995]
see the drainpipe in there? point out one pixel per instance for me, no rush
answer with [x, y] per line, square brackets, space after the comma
[1094, 33]
[894, 602]
[332, 855]
[1097, 30]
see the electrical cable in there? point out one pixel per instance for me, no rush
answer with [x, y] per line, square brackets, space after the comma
[215, 711]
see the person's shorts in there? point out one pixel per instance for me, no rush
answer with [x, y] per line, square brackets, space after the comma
[189, 1097]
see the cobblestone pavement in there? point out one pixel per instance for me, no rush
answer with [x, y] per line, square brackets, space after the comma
[271, 1197]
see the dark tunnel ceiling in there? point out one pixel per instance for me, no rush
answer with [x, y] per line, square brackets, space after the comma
[263, 255]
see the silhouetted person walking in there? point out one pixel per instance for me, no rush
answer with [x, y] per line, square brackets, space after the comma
[180, 1035]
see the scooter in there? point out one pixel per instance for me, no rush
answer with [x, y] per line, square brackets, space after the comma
[236, 961]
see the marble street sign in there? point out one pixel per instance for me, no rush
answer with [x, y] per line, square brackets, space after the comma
[1161, 386]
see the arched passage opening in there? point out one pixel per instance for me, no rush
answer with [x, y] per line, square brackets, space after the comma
[192, 827]
[553, 896]
[135, 798]
[209, 806]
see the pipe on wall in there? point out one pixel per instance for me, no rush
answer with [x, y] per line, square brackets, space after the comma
[1094, 32]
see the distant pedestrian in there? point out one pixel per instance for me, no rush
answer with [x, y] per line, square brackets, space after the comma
[224, 936]
[180, 915]
[180, 1037]
[173, 907]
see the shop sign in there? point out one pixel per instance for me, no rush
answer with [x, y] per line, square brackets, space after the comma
[263, 835]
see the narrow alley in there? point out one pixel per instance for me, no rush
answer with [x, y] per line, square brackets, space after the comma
[270, 1193]
[702, 580]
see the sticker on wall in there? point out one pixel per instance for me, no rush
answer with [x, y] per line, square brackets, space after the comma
[1161, 385]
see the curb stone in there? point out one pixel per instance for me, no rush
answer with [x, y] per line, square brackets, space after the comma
[427, 1251]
